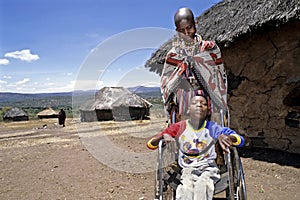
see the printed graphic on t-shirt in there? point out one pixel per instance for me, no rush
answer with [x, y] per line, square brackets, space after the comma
[192, 149]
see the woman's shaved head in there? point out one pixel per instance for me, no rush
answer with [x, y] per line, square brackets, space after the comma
[183, 14]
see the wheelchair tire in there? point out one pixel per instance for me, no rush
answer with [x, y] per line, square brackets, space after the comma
[240, 184]
[163, 191]
[237, 185]
[230, 169]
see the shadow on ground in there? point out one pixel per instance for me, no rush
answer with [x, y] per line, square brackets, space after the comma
[271, 155]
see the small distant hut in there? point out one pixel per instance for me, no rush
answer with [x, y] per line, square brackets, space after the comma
[116, 103]
[15, 114]
[47, 113]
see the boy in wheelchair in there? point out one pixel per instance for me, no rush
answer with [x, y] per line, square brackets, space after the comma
[195, 139]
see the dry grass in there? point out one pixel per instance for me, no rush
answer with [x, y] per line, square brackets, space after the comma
[21, 125]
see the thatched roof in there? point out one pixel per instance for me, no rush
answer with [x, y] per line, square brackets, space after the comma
[48, 112]
[15, 112]
[231, 20]
[131, 100]
[109, 97]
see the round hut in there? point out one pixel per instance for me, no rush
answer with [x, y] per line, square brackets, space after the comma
[115, 103]
[15, 114]
[47, 113]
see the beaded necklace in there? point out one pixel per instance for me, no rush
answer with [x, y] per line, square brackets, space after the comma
[188, 48]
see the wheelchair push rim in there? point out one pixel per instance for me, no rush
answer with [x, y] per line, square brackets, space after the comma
[236, 186]
[162, 190]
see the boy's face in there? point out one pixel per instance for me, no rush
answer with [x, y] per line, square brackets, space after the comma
[186, 29]
[198, 107]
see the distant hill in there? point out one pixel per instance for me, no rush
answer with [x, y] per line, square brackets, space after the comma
[64, 98]
[143, 89]
[7, 96]
[146, 92]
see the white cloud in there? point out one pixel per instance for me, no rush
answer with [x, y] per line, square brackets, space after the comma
[99, 84]
[4, 61]
[69, 74]
[50, 84]
[19, 89]
[7, 77]
[25, 80]
[2, 82]
[69, 86]
[86, 84]
[64, 88]
[24, 55]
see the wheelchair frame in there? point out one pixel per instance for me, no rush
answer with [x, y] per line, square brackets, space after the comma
[232, 179]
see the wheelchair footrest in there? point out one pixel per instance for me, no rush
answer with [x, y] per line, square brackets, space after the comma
[172, 177]
[222, 184]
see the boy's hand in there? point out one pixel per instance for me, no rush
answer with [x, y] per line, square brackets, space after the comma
[168, 138]
[225, 142]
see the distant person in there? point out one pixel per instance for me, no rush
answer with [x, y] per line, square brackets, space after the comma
[62, 117]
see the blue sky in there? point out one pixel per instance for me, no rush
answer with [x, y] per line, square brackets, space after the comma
[50, 45]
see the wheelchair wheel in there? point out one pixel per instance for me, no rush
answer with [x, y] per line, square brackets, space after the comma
[163, 191]
[237, 185]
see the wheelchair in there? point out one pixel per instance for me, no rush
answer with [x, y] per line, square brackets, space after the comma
[167, 177]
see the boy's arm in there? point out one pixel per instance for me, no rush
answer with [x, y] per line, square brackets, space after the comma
[153, 142]
[236, 139]
[228, 138]
[168, 135]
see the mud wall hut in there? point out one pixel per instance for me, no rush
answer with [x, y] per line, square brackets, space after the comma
[15, 114]
[115, 103]
[259, 41]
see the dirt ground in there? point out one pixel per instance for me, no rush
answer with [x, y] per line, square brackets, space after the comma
[109, 160]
